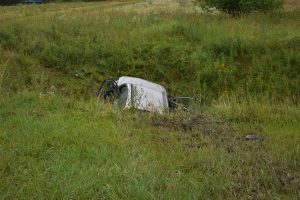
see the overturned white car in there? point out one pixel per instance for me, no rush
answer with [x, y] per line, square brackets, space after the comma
[130, 92]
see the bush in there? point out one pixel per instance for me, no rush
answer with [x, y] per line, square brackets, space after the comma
[237, 7]
[9, 2]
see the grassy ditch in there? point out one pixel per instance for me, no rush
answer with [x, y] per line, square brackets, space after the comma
[58, 142]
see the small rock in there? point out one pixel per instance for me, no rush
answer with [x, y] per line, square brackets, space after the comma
[253, 137]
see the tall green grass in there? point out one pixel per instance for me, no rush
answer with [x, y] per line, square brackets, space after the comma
[205, 55]
[57, 147]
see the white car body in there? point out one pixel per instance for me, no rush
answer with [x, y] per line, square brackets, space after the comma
[144, 95]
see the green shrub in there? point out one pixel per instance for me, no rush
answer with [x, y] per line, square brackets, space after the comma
[9, 2]
[236, 7]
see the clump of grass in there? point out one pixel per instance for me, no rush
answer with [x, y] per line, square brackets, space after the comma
[2, 73]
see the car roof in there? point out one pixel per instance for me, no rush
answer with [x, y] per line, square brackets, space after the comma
[140, 82]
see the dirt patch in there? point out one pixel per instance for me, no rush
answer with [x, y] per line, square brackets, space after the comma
[199, 123]
[289, 180]
[221, 133]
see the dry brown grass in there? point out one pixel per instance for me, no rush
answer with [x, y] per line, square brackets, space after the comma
[292, 3]
[158, 6]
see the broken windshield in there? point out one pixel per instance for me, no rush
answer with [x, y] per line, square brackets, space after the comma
[123, 96]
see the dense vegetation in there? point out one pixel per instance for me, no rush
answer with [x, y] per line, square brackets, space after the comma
[58, 141]
[13, 2]
[9, 2]
[238, 7]
[256, 56]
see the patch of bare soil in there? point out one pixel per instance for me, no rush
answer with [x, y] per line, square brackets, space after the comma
[200, 123]
[194, 127]
[289, 179]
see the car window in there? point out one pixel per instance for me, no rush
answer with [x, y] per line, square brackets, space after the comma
[123, 91]
[107, 90]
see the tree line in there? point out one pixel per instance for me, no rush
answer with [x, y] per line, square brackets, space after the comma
[14, 2]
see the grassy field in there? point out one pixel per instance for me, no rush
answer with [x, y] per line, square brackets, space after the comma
[57, 141]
